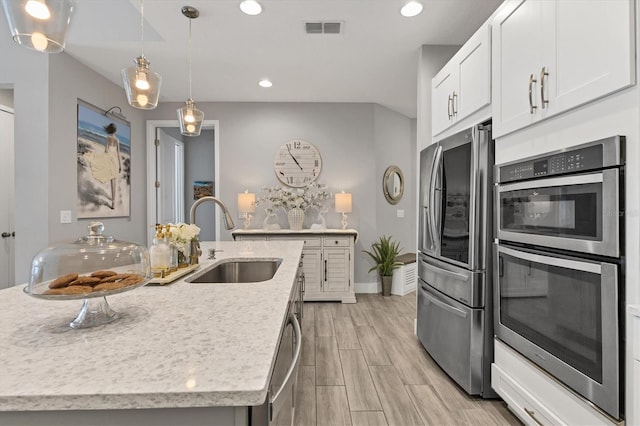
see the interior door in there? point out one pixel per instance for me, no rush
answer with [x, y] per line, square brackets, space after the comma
[170, 165]
[7, 186]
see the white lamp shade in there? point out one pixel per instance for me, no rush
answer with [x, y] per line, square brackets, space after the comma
[190, 118]
[343, 202]
[246, 202]
[141, 85]
[43, 34]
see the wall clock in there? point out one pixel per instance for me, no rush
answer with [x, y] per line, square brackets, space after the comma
[297, 163]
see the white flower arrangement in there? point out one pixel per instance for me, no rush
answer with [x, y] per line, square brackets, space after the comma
[313, 195]
[182, 234]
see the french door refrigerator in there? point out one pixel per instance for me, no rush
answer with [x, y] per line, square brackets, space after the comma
[455, 318]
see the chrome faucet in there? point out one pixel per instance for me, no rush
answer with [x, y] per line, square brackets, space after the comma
[195, 245]
[227, 217]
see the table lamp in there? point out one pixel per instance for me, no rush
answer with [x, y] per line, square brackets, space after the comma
[343, 205]
[246, 205]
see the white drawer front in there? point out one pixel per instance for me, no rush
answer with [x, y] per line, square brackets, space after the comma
[336, 241]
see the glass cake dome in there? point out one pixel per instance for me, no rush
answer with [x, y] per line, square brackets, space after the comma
[90, 268]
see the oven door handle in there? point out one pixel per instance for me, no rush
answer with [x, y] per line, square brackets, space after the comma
[595, 268]
[443, 304]
[294, 362]
[561, 181]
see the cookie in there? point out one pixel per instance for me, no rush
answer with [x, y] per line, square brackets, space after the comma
[75, 289]
[63, 281]
[110, 285]
[115, 277]
[103, 274]
[85, 281]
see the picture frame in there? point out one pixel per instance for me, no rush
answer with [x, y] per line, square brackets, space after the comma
[103, 163]
[202, 188]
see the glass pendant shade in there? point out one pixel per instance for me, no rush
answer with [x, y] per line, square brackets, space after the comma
[141, 85]
[39, 24]
[190, 118]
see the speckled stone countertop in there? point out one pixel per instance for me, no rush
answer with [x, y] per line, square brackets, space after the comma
[351, 232]
[178, 345]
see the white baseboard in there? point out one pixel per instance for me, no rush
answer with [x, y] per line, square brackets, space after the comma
[368, 287]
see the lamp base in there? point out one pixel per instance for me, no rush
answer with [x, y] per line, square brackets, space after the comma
[344, 221]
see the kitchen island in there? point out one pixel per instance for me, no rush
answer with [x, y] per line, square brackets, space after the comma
[182, 353]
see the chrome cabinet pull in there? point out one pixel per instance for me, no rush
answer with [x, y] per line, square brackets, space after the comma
[543, 73]
[532, 107]
[454, 102]
[532, 414]
[449, 104]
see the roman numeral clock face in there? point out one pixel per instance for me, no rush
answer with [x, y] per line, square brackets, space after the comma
[297, 163]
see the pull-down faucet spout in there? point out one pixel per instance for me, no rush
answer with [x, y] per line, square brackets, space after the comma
[227, 217]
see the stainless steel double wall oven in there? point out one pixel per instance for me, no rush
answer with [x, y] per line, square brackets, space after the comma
[558, 271]
[454, 293]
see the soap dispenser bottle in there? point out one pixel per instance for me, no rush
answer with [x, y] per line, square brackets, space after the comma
[159, 254]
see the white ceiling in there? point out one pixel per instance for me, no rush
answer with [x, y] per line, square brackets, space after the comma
[374, 60]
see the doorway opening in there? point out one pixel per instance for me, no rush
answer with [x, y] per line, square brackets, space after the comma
[7, 190]
[177, 168]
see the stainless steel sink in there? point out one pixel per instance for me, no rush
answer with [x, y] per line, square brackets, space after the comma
[237, 271]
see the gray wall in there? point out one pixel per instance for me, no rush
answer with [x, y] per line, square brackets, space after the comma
[344, 133]
[395, 145]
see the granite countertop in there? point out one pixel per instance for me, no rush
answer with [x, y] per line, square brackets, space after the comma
[178, 345]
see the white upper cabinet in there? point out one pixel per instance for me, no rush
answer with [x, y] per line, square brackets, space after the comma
[550, 56]
[463, 86]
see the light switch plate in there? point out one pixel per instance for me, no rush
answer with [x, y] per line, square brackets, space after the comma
[400, 213]
[65, 216]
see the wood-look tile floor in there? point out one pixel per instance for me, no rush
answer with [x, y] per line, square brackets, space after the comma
[361, 364]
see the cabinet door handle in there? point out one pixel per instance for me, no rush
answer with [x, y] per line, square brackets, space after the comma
[454, 102]
[449, 104]
[325, 270]
[532, 107]
[6, 234]
[532, 414]
[543, 73]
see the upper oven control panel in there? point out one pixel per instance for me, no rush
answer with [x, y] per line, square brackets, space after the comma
[585, 157]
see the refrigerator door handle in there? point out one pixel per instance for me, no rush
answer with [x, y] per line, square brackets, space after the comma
[444, 305]
[432, 196]
[457, 276]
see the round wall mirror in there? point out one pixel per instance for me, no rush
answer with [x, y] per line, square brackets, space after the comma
[393, 184]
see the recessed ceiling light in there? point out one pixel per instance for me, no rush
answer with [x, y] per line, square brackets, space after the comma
[265, 83]
[410, 9]
[251, 7]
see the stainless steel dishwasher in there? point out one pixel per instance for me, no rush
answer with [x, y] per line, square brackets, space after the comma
[279, 406]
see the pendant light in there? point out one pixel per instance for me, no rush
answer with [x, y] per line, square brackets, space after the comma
[189, 116]
[39, 24]
[141, 85]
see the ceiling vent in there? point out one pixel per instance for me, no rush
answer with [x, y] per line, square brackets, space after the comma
[333, 27]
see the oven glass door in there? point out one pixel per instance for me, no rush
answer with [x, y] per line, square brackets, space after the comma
[579, 212]
[566, 306]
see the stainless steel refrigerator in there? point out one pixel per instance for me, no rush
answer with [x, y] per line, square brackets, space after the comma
[455, 320]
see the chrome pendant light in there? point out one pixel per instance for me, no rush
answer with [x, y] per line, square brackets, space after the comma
[189, 116]
[140, 83]
[40, 25]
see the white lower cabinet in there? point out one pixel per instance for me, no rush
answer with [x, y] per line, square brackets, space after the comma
[327, 260]
[535, 397]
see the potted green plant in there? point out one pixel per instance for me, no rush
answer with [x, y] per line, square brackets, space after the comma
[384, 253]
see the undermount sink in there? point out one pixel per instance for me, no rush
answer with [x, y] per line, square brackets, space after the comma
[237, 271]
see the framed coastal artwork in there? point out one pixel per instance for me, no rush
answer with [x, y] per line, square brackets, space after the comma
[104, 164]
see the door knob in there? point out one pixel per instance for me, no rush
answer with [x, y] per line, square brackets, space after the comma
[6, 234]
